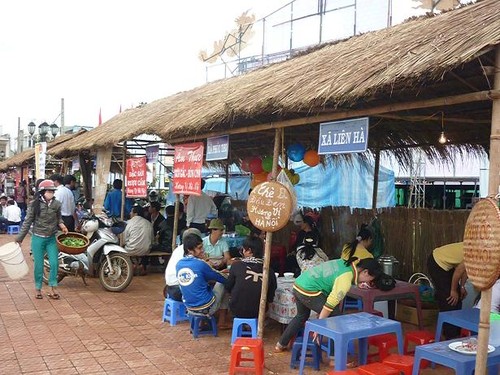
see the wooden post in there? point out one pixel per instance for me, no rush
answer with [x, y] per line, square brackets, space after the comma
[176, 222]
[375, 181]
[493, 189]
[269, 241]
[103, 163]
[124, 172]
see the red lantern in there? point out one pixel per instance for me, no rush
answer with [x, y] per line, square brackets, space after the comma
[311, 158]
[245, 165]
[256, 165]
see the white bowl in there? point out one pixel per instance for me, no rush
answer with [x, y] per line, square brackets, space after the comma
[288, 275]
[276, 274]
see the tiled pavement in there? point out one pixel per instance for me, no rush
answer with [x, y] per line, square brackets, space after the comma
[92, 331]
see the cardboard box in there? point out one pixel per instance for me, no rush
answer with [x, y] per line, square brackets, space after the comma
[408, 314]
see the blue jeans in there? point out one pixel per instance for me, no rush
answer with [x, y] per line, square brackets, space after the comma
[39, 247]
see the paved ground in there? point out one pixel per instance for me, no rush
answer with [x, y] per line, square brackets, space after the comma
[92, 331]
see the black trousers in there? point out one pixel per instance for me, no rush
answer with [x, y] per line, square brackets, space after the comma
[442, 284]
[69, 221]
[201, 227]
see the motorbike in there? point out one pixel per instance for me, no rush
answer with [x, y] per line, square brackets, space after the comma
[104, 257]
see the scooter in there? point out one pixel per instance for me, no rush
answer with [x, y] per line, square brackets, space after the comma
[104, 257]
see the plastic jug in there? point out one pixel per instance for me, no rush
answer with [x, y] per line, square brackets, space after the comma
[494, 329]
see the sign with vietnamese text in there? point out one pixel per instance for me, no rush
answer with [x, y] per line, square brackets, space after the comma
[40, 158]
[136, 183]
[217, 148]
[269, 206]
[188, 161]
[152, 153]
[482, 244]
[341, 137]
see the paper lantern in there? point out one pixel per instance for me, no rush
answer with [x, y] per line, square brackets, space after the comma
[311, 158]
[256, 165]
[295, 152]
[245, 164]
[267, 163]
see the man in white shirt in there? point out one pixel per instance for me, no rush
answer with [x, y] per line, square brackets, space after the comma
[12, 213]
[173, 288]
[67, 199]
[199, 208]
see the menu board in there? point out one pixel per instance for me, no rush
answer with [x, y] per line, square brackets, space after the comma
[482, 244]
[269, 206]
[136, 183]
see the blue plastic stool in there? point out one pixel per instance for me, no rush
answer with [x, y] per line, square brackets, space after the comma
[314, 355]
[196, 321]
[13, 229]
[174, 311]
[351, 304]
[239, 323]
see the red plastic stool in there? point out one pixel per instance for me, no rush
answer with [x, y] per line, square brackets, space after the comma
[465, 333]
[342, 372]
[419, 338]
[384, 343]
[376, 312]
[403, 363]
[377, 369]
[245, 346]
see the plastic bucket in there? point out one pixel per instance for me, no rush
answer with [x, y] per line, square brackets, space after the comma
[12, 259]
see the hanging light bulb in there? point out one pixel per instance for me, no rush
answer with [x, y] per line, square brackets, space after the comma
[442, 138]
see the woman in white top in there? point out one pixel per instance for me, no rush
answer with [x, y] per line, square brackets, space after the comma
[309, 254]
[495, 298]
[12, 213]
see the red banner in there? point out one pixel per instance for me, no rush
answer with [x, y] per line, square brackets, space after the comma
[188, 160]
[136, 184]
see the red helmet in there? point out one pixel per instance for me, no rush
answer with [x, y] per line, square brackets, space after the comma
[47, 185]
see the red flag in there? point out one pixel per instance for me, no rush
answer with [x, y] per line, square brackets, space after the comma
[100, 117]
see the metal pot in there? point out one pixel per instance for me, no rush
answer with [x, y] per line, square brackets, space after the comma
[389, 265]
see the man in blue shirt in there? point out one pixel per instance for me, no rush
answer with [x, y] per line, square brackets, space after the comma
[113, 201]
[194, 275]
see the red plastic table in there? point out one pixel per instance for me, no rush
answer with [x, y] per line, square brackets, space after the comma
[400, 291]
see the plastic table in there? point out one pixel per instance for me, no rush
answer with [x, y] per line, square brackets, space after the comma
[465, 318]
[463, 364]
[344, 328]
[400, 291]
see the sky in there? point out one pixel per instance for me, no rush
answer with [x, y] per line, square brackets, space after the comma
[100, 55]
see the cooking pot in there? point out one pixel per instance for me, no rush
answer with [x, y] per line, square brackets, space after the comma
[389, 265]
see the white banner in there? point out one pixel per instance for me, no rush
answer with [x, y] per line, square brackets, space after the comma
[40, 158]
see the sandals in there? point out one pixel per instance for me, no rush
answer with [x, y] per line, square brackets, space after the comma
[38, 294]
[280, 348]
[53, 296]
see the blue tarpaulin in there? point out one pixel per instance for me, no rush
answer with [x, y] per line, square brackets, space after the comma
[343, 183]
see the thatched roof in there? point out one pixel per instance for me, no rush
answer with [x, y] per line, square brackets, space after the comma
[28, 155]
[422, 59]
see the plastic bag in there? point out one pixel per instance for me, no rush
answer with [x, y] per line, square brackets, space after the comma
[425, 286]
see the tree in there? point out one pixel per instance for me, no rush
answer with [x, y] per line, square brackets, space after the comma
[438, 5]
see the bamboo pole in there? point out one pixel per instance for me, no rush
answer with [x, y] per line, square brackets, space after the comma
[269, 240]
[341, 115]
[493, 189]
[176, 222]
[375, 181]
[122, 208]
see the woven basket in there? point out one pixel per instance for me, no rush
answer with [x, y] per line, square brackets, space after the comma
[72, 250]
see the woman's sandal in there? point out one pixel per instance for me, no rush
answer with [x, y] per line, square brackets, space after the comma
[53, 296]
[38, 295]
[280, 348]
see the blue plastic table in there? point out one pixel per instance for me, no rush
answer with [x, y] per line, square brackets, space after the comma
[463, 364]
[465, 318]
[344, 328]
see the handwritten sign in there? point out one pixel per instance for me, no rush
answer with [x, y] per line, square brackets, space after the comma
[269, 206]
[217, 148]
[341, 137]
[136, 184]
[482, 244]
[188, 161]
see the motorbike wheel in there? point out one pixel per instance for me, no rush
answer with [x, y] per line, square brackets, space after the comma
[46, 270]
[116, 276]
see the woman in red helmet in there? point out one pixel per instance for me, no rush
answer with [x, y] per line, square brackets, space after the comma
[44, 212]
